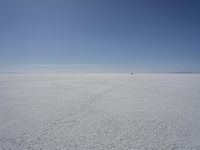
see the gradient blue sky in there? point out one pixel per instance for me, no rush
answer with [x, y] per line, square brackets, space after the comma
[100, 35]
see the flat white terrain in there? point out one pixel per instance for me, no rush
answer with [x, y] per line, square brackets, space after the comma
[100, 112]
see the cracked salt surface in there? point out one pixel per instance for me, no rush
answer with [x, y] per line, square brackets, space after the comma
[100, 111]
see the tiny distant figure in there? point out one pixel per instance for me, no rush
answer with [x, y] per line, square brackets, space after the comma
[132, 73]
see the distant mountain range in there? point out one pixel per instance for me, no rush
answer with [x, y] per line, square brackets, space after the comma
[184, 72]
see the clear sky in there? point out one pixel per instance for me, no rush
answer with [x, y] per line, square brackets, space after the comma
[100, 35]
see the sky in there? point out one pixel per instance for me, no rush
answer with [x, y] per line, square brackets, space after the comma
[100, 35]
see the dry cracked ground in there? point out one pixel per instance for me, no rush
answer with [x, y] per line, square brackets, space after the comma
[99, 112]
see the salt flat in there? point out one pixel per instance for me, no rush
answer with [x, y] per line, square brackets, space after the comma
[100, 111]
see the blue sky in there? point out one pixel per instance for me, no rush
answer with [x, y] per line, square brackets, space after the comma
[100, 35]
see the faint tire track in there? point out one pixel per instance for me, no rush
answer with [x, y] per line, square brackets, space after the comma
[73, 117]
